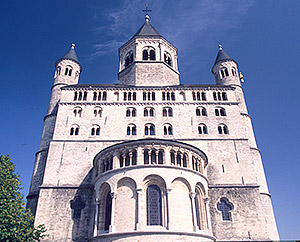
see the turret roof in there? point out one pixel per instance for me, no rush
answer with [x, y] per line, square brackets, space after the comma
[147, 29]
[70, 55]
[222, 56]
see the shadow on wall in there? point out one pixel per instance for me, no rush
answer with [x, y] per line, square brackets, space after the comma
[82, 210]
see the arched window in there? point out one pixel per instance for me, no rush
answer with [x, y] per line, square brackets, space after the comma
[220, 111]
[233, 71]
[75, 96]
[131, 129]
[152, 55]
[220, 96]
[77, 111]
[95, 130]
[223, 129]
[201, 111]
[172, 156]
[107, 217]
[74, 130]
[167, 58]
[168, 130]
[79, 96]
[149, 53]
[145, 54]
[58, 70]
[149, 111]
[167, 112]
[149, 129]
[130, 112]
[200, 209]
[128, 58]
[224, 72]
[202, 129]
[97, 112]
[154, 205]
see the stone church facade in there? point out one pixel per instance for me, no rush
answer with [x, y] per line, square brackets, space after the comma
[149, 159]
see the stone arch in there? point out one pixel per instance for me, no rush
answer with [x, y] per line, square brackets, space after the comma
[157, 185]
[104, 215]
[201, 213]
[126, 201]
[181, 213]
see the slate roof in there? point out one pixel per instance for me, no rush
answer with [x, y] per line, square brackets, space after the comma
[222, 56]
[70, 55]
[147, 30]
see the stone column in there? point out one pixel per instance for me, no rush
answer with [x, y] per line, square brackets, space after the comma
[207, 214]
[138, 200]
[167, 160]
[156, 156]
[149, 156]
[96, 219]
[190, 160]
[192, 196]
[116, 161]
[113, 208]
[124, 159]
[140, 156]
[130, 158]
[168, 209]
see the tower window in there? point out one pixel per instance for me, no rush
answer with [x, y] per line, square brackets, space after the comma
[220, 111]
[149, 112]
[201, 111]
[97, 112]
[149, 129]
[223, 129]
[167, 112]
[129, 96]
[150, 96]
[168, 59]
[128, 58]
[168, 96]
[202, 129]
[131, 129]
[149, 53]
[154, 205]
[233, 71]
[218, 96]
[74, 130]
[130, 112]
[58, 70]
[77, 111]
[95, 130]
[224, 72]
[225, 207]
[80, 96]
[168, 129]
[75, 96]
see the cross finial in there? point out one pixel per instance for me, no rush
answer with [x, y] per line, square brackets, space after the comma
[147, 11]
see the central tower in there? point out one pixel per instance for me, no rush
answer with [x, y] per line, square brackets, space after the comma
[148, 59]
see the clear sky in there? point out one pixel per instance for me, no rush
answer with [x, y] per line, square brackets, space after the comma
[262, 36]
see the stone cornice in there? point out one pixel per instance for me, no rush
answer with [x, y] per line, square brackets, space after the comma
[118, 87]
[250, 185]
[146, 103]
[46, 186]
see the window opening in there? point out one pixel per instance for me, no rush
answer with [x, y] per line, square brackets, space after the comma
[225, 207]
[154, 208]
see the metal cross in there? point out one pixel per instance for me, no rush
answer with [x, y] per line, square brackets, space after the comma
[146, 10]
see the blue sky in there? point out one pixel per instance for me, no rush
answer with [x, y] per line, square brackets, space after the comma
[262, 36]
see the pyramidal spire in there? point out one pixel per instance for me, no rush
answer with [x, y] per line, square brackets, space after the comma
[71, 54]
[222, 55]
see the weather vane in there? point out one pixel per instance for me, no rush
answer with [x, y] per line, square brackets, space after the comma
[146, 10]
